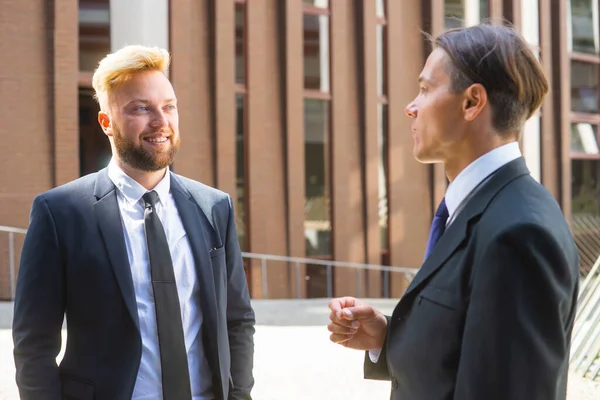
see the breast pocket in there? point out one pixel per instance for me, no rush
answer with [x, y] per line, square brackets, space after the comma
[440, 298]
[217, 252]
[75, 389]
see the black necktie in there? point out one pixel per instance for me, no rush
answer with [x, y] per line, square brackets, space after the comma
[438, 226]
[173, 355]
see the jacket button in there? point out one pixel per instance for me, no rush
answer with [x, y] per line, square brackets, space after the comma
[394, 384]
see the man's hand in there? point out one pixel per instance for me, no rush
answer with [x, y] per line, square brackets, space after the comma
[356, 325]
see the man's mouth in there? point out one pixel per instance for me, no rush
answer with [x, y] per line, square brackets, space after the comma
[160, 139]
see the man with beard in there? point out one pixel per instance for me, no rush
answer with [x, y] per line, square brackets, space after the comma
[144, 263]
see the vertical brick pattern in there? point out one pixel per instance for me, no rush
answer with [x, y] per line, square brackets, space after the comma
[410, 195]
[265, 162]
[347, 200]
[65, 91]
[294, 121]
[224, 59]
[26, 114]
[190, 75]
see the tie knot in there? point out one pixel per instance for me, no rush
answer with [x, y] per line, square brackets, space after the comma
[442, 210]
[150, 199]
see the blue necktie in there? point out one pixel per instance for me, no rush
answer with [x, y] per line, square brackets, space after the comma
[438, 226]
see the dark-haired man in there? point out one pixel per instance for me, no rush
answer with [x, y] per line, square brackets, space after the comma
[490, 313]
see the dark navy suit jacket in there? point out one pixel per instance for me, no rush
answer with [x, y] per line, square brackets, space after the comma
[74, 262]
[489, 315]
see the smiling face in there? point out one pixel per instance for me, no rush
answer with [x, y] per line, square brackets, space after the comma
[438, 123]
[143, 125]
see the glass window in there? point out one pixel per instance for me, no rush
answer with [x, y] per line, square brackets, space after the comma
[317, 3]
[240, 19]
[240, 209]
[585, 188]
[381, 60]
[530, 17]
[383, 174]
[584, 87]
[317, 224]
[316, 52]
[585, 206]
[584, 138]
[459, 13]
[583, 34]
[94, 33]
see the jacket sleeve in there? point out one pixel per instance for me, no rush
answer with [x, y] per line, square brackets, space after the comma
[240, 317]
[39, 308]
[519, 319]
[378, 370]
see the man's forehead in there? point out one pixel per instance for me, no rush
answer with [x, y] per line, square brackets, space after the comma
[434, 69]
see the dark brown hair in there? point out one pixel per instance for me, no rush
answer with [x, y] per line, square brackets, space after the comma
[498, 58]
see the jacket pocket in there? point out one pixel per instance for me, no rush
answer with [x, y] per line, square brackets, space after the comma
[440, 297]
[75, 389]
[217, 251]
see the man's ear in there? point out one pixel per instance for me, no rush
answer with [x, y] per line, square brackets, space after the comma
[475, 101]
[105, 123]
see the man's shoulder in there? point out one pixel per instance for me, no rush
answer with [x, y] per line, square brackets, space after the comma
[199, 189]
[78, 188]
[522, 205]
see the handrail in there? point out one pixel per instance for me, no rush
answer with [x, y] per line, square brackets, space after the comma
[11, 255]
[11, 229]
[328, 264]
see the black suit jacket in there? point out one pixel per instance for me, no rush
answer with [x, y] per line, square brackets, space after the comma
[490, 313]
[74, 261]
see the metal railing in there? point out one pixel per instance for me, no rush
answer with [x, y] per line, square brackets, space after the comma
[11, 254]
[409, 273]
[585, 343]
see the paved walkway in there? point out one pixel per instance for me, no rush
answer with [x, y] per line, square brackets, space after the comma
[294, 359]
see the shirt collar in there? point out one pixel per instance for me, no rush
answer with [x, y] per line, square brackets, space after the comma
[132, 190]
[476, 172]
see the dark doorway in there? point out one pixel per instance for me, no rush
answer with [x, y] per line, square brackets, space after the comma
[94, 148]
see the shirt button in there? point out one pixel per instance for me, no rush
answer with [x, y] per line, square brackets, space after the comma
[394, 384]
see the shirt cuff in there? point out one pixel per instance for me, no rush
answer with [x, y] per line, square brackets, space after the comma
[374, 355]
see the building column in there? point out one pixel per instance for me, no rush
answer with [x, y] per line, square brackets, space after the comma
[410, 192]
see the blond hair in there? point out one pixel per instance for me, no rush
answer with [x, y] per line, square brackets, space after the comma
[118, 67]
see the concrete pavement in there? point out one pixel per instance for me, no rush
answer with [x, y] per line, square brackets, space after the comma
[294, 359]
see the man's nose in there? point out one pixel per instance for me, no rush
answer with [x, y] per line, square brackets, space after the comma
[159, 119]
[411, 110]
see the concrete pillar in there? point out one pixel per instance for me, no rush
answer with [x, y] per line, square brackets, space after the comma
[144, 22]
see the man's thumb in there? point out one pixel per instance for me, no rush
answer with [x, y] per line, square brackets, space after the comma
[358, 312]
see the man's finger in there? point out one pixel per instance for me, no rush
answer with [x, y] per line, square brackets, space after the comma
[344, 330]
[359, 312]
[339, 303]
[339, 339]
[333, 317]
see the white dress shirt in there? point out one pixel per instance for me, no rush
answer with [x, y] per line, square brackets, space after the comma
[466, 181]
[148, 385]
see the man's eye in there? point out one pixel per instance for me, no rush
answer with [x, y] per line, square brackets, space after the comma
[422, 89]
[142, 108]
[170, 107]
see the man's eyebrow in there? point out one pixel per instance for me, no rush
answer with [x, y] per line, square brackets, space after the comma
[423, 79]
[145, 101]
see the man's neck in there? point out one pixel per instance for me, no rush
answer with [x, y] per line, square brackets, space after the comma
[148, 179]
[471, 152]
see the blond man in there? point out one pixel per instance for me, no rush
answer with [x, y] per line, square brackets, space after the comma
[144, 263]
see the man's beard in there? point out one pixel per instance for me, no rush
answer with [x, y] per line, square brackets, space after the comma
[141, 158]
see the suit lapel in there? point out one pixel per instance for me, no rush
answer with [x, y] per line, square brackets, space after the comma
[108, 218]
[456, 233]
[195, 224]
